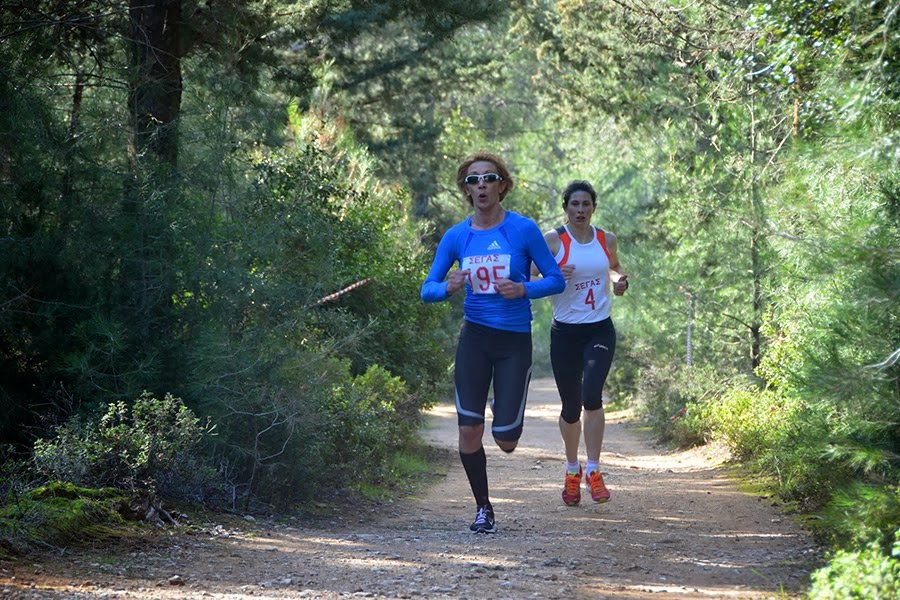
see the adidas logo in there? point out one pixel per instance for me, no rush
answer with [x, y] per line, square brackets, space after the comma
[494, 246]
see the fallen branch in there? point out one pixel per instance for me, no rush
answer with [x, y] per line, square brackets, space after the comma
[340, 293]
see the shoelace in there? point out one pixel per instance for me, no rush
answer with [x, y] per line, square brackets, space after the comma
[572, 484]
[482, 516]
[595, 481]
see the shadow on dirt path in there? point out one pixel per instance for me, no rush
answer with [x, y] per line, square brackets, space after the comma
[676, 527]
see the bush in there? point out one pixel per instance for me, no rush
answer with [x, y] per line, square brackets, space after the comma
[151, 447]
[862, 513]
[369, 417]
[748, 421]
[820, 452]
[868, 574]
[691, 425]
[672, 398]
[319, 431]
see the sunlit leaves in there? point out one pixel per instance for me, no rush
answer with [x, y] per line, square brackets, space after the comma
[837, 58]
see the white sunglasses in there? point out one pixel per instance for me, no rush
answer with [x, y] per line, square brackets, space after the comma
[486, 177]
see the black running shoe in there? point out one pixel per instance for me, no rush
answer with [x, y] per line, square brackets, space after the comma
[484, 521]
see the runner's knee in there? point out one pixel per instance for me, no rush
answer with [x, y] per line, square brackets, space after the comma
[507, 445]
[593, 401]
[571, 414]
[470, 437]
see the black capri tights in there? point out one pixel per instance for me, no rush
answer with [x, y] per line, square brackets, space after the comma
[581, 356]
[487, 357]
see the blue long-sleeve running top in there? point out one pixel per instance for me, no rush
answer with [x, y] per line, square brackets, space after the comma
[506, 250]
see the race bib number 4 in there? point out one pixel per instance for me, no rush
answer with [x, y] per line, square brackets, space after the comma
[589, 286]
[484, 271]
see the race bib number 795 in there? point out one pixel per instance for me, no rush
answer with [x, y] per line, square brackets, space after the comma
[485, 270]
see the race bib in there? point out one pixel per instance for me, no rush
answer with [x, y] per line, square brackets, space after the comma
[484, 271]
[590, 290]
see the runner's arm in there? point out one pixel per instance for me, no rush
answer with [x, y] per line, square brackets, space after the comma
[434, 288]
[552, 281]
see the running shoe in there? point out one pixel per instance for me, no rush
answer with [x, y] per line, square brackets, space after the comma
[599, 493]
[571, 494]
[484, 521]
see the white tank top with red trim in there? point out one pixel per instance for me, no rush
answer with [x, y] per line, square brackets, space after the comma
[586, 297]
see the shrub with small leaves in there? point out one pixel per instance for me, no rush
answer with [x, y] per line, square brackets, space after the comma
[749, 421]
[132, 448]
[866, 574]
[674, 401]
[367, 415]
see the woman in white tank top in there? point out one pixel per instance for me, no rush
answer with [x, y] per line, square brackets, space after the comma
[582, 339]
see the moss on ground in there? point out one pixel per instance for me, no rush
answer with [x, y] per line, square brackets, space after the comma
[58, 515]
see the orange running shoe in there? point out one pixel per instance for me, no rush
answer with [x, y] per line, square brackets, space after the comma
[599, 493]
[571, 494]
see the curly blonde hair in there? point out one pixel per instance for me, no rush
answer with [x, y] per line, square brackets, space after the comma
[498, 163]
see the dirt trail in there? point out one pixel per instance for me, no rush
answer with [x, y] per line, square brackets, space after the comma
[676, 527]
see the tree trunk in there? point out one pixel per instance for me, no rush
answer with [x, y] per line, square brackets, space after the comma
[689, 349]
[154, 98]
[72, 137]
[148, 253]
[757, 219]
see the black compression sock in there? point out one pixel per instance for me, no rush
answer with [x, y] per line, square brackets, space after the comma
[475, 465]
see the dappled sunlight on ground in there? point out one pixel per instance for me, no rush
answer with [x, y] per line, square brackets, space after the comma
[675, 527]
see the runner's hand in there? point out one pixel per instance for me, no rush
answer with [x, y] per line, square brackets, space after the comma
[456, 280]
[510, 289]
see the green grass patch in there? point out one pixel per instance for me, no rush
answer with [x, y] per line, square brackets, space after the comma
[407, 473]
[58, 515]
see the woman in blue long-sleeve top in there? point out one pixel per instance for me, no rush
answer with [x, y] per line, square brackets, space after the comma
[494, 250]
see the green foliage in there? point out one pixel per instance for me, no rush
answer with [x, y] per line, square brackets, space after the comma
[862, 513]
[369, 413]
[290, 290]
[403, 474]
[866, 574]
[751, 422]
[283, 444]
[691, 426]
[277, 435]
[331, 201]
[236, 278]
[671, 399]
[833, 330]
[402, 61]
[312, 301]
[797, 460]
[138, 448]
[838, 60]
[540, 338]
[683, 162]
[44, 282]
